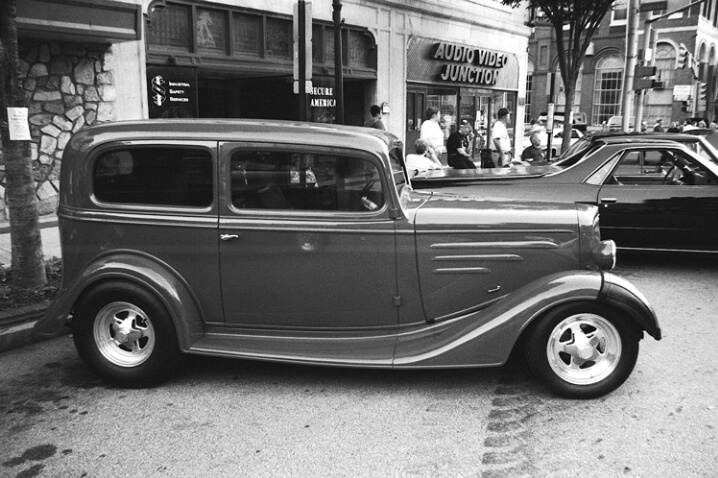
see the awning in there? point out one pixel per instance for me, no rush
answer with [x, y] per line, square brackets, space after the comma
[79, 20]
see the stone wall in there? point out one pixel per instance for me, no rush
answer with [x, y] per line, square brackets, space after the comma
[68, 86]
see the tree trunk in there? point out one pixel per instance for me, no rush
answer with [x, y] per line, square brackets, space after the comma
[28, 267]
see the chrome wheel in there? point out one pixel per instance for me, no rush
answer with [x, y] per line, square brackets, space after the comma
[124, 335]
[584, 349]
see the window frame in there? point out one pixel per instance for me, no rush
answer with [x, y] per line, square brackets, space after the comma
[229, 148]
[205, 146]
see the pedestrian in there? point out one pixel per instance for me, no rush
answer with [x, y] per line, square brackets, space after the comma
[432, 132]
[658, 128]
[501, 144]
[457, 147]
[423, 160]
[534, 154]
[375, 120]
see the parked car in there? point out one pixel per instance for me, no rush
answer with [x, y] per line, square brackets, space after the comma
[306, 243]
[654, 194]
[579, 121]
[615, 123]
[556, 140]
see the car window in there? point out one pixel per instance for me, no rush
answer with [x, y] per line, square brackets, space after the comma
[163, 176]
[659, 167]
[280, 180]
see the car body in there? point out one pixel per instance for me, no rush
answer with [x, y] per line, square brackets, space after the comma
[556, 140]
[645, 205]
[306, 243]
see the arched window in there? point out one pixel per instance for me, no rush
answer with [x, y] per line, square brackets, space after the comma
[665, 64]
[607, 89]
[561, 96]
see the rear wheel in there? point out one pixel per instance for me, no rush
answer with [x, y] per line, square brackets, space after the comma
[125, 335]
[583, 350]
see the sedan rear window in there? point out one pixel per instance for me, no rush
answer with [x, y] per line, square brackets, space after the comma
[162, 176]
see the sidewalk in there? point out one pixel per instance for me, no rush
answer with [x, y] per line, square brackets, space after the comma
[16, 324]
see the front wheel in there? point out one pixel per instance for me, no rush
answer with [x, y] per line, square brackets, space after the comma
[125, 335]
[583, 350]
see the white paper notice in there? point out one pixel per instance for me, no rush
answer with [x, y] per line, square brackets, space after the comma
[18, 125]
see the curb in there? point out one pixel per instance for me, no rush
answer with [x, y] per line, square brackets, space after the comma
[16, 326]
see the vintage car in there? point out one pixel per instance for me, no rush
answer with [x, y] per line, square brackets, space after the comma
[306, 243]
[654, 194]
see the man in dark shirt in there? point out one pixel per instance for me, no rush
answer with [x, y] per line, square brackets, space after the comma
[534, 154]
[457, 148]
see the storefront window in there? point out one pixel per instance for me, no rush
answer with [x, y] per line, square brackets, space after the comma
[170, 28]
[247, 35]
[279, 38]
[211, 31]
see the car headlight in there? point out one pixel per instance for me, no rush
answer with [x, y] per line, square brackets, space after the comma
[604, 255]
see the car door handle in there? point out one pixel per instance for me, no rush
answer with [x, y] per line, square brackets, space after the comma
[228, 237]
[608, 200]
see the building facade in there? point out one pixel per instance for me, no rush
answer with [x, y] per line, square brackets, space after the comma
[683, 93]
[90, 61]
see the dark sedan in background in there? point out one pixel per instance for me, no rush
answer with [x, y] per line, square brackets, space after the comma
[655, 194]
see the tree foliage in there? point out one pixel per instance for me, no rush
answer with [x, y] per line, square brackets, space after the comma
[27, 259]
[574, 24]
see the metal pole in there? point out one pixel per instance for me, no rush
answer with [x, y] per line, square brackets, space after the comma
[628, 73]
[301, 6]
[338, 63]
[642, 94]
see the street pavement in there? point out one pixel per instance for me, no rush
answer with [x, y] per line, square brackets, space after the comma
[16, 324]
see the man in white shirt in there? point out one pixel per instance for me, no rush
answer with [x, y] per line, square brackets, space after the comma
[432, 132]
[501, 144]
[423, 160]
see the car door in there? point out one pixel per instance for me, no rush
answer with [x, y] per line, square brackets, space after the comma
[307, 241]
[660, 198]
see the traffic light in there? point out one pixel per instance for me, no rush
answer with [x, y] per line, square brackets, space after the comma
[683, 57]
[702, 90]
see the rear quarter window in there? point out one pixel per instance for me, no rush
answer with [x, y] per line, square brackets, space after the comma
[162, 176]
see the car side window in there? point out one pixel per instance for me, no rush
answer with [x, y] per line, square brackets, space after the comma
[280, 180]
[162, 176]
[659, 167]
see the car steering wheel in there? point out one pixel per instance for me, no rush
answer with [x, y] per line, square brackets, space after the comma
[670, 174]
[364, 202]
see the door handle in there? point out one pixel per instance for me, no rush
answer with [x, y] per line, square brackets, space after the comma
[228, 237]
[608, 200]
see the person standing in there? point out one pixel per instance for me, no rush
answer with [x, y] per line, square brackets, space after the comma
[658, 127]
[457, 148]
[432, 132]
[375, 120]
[501, 144]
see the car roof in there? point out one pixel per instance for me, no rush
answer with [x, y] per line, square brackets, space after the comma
[255, 130]
[647, 136]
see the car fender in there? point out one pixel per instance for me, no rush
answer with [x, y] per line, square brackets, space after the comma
[141, 269]
[486, 337]
[621, 294]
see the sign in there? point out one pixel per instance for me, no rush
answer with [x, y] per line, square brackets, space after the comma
[322, 98]
[653, 6]
[172, 91]
[18, 126]
[682, 92]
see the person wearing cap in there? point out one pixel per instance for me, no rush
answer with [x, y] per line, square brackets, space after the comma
[501, 144]
[457, 147]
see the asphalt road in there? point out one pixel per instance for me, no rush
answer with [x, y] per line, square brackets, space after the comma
[231, 418]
